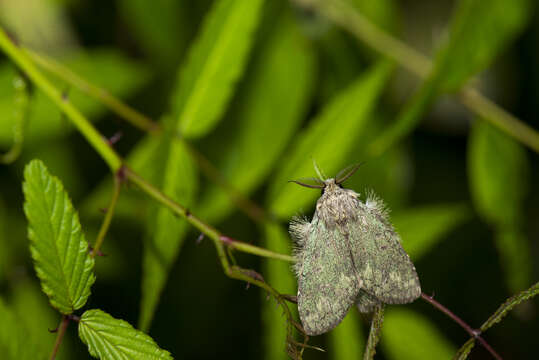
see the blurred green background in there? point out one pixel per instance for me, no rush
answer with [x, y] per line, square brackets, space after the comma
[258, 88]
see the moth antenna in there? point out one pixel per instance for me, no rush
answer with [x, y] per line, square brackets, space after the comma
[318, 185]
[319, 171]
[347, 172]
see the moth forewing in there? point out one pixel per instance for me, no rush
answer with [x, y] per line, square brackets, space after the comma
[327, 282]
[387, 272]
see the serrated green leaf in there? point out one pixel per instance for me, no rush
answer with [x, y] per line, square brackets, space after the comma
[279, 275]
[59, 249]
[108, 69]
[215, 63]
[15, 340]
[509, 304]
[403, 328]
[497, 169]
[421, 228]
[479, 31]
[347, 339]
[113, 339]
[268, 115]
[328, 139]
[165, 231]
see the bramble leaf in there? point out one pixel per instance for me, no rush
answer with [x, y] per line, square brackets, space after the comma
[59, 249]
[114, 339]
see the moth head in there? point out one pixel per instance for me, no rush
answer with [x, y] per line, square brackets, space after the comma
[322, 182]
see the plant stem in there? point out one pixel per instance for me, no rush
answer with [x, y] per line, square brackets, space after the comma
[251, 249]
[139, 120]
[472, 332]
[218, 238]
[146, 124]
[109, 155]
[374, 333]
[358, 25]
[81, 123]
[108, 216]
[59, 336]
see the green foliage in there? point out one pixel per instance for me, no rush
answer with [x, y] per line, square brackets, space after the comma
[58, 247]
[280, 276]
[470, 47]
[497, 170]
[15, 339]
[161, 28]
[347, 339]
[106, 68]
[110, 339]
[498, 315]
[215, 62]
[30, 308]
[422, 227]
[267, 116]
[263, 88]
[401, 330]
[336, 128]
[165, 232]
[509, 305]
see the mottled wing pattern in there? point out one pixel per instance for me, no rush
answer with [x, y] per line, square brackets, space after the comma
[366, 302]
[327, 282]
[385, 268]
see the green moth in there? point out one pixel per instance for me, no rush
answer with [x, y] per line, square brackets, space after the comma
[348, 254]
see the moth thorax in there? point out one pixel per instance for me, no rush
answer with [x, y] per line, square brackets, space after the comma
[337, 205]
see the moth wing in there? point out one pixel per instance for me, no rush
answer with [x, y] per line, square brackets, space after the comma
[385, 268]
[366, 302]
[328, 283]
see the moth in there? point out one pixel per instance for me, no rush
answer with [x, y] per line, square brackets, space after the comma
[349, 253]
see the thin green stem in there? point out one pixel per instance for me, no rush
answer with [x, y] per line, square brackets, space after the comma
[137, 119]
[251, 249]
[108, 216]
[146, 124]
[95, 139]
[218, 238]
[347, 16]
[59, 336]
